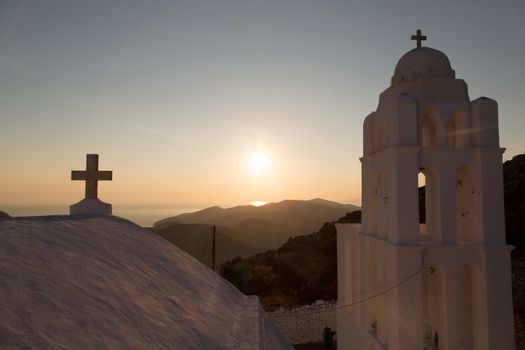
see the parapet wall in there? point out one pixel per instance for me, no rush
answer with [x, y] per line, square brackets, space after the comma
[306, 324]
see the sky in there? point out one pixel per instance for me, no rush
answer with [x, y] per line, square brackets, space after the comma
[180, 97]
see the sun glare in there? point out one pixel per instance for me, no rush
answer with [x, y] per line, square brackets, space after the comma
[258, 203]
[259, 161]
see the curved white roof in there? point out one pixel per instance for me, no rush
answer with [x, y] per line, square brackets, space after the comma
[104, 282]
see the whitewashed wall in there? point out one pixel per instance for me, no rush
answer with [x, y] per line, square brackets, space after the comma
[306, 324]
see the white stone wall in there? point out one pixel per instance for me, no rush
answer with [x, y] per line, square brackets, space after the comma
[306, 324]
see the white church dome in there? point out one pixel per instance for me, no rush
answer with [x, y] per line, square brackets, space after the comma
[89, 282]
[422, 63]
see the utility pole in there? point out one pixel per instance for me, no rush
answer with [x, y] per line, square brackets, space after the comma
[213, 249]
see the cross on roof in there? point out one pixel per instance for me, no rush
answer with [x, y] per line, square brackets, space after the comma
[418, 37]
[91, 175]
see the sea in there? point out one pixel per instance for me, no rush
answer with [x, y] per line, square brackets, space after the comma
[143, 215]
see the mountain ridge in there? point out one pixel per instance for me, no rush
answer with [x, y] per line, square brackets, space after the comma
[263, 228]
[234, 215]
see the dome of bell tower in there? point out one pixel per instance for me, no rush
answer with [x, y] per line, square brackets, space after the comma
[422, 63]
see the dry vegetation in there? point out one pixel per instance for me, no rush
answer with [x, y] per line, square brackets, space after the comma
[518, 291]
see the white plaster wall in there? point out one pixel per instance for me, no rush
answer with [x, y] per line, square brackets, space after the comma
[306, 324]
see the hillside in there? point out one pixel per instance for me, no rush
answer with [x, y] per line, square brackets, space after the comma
[196, 239]
[269, 226]
[301, 271]
[106, 283]
[514, 190]
[3, 214]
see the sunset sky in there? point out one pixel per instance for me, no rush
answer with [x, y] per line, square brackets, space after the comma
[199, 103]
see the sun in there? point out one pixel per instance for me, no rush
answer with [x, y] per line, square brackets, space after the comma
[259, 161]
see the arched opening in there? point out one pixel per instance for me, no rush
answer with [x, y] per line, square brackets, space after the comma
[433, 306]
[421, 188]
[457, 130]
[452, 133]
[378, 135]
[371, 135]
[383, 200]
[465, 194]
[469, 303]
[348, 268]
[382, 321]
[427, 199]
[373, 204]
[429, 130]
[371, 304]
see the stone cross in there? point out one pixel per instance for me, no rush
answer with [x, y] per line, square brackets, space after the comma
[418, 37]
[91, 175]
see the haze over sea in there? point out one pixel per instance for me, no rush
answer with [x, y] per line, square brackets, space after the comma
[144, 215]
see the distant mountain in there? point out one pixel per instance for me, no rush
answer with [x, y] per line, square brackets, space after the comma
[269, 226]
[189, 218]
[326, 202]
[261, 233]
[3, 214]
[196, 239]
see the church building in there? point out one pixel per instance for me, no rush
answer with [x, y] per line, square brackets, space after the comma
[428, 268]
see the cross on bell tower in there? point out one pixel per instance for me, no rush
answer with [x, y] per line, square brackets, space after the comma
[418, 37]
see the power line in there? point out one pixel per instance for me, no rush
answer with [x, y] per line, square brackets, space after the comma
[383, 292]
[380, 287]
[398, 284]
[368, 291]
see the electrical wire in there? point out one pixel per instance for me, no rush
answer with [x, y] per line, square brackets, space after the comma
[379, 294]
[339, 307]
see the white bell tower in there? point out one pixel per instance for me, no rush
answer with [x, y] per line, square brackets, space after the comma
[444, 283]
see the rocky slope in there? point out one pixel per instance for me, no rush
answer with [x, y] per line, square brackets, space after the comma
[301, 271]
